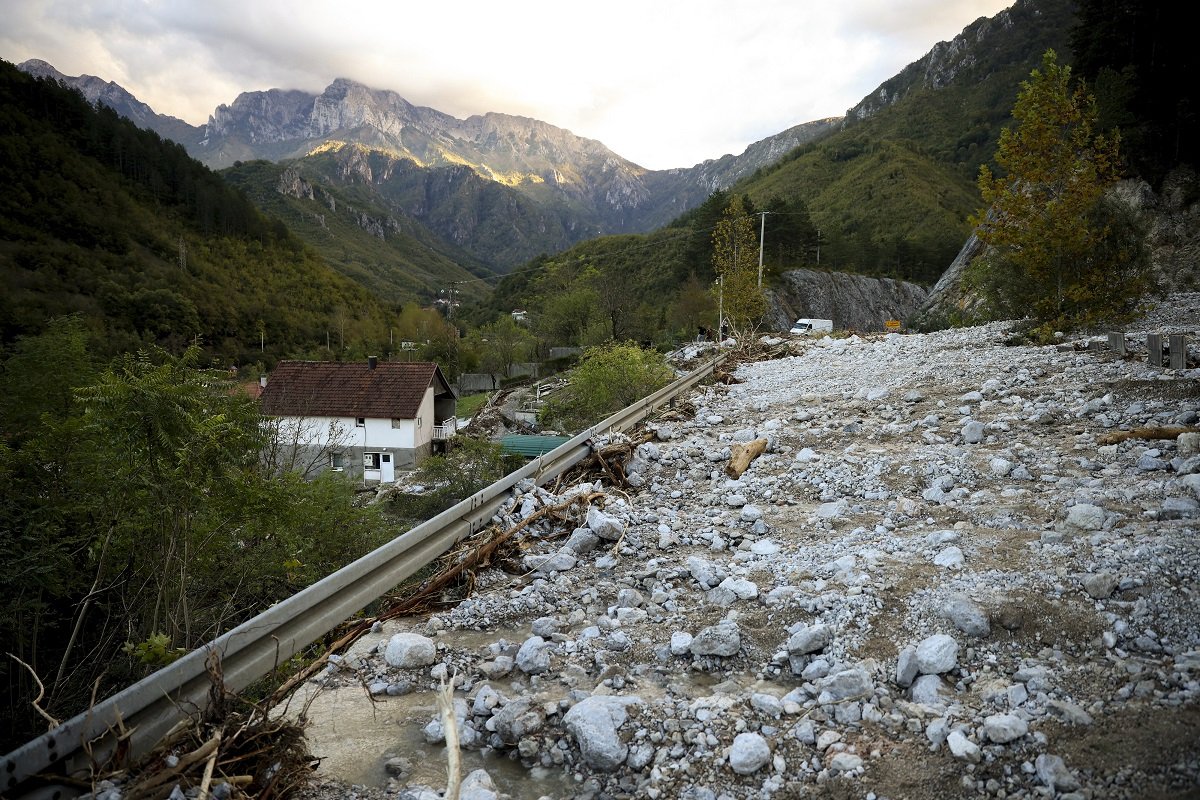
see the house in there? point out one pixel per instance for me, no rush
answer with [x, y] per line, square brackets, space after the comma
[364, 418]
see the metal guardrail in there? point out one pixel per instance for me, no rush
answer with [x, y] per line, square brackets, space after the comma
[147, 710]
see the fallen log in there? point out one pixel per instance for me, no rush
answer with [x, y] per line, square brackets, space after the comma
[741, 456]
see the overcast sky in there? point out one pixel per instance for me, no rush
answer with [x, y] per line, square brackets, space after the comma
[665, 83]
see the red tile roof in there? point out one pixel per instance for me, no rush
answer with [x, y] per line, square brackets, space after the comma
[340, 389]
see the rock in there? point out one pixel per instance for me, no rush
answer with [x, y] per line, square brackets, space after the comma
[1187, 444]
[927, 690]
[722, 639]
[741, 588]
[832, 509]
[1069, 712]
[965, 615]
[582, 541]
[951, 558]
[706, 573]
[962, 747]
[1085, 517]
[477, 786]
[1000, 467]
[1004, 728]
[681, 643]
[844, 762]
[937, 654]
[974, 432]
[1099, 585]
[749, 753]
[560, 561]
[906, 667]
[1052, 771]
[518, 719]
[606, 526]
[809, 640]
[409, 651]
[768, 704]
[844, 685]
[534, 656]
[594, 722]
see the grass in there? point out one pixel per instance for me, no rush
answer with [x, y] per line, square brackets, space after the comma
[467, 406]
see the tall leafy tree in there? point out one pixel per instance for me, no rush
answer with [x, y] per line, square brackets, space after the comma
[735, 260]
[1058, 251]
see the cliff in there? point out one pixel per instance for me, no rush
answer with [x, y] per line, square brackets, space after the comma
[853, 302]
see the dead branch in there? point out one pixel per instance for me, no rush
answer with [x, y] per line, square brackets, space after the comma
[41, 693]
[206, 781]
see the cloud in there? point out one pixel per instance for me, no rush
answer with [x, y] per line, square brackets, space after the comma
[662, 83]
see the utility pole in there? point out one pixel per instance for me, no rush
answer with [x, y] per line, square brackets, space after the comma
[818, 247]
[762, 234]
[720, 308]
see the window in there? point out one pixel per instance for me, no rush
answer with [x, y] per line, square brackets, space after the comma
[397, 423]
[418, 422]
[337, 461]
[370, 460]
[360, 422]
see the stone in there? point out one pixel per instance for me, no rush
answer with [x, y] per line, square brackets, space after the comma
[604, 525]
[1052, 771]
[927, 690]
[582, 541]
[1000, 467]
[722, 639]
[706, 573]
[844, 685]
[962, 747]
[1069, 712]
[906, 667]
[1004, 728]
[1085, 517]
[950, 558]
[559, 561]
[809, 640]
[409, 651]
[534, 656]
[594, 722]
[477, 786]
[518, 719]
[974, 432]
[749, 753]
[1099, 586]
[965, 615]
[937, 654]
[681, 643]
[844, 762]
[741, 588]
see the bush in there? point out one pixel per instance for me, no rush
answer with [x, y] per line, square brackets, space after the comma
[607, 379]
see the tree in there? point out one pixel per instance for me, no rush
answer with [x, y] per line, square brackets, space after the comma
[735, 260]
[607, 379]
[1057, 251]
[501, 344]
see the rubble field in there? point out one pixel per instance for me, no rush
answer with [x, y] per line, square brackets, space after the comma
[961, 567]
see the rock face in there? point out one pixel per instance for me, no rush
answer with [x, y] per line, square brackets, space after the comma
[853, 302]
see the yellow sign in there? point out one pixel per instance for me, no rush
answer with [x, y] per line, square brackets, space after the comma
[892, 324]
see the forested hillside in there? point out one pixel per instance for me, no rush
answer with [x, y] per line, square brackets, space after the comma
[110, 222]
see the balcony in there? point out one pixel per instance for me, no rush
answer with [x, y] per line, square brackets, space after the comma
[445, 430]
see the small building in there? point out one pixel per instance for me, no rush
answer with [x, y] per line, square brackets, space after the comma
[366, 419]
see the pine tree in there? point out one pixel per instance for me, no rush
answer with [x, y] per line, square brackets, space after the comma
[1058, 251]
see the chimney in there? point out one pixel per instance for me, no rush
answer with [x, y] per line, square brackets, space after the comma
[372, 361]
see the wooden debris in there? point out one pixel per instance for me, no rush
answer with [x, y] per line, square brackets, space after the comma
[742, 455]
[1155, 432]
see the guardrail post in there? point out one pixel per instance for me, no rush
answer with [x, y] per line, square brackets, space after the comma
[1154, 345]
[1116, 343]
[1177, 350]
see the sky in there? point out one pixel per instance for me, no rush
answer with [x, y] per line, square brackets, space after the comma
[663, 83]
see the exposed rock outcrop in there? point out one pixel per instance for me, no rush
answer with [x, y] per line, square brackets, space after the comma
[854, 302]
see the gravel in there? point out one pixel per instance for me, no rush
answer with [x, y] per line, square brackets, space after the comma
[961, 561]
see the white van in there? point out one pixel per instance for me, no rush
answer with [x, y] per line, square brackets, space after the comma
[805, 325]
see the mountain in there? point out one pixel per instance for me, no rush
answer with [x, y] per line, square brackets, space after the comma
[109, 222]
[496, 188]
[116, 97]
